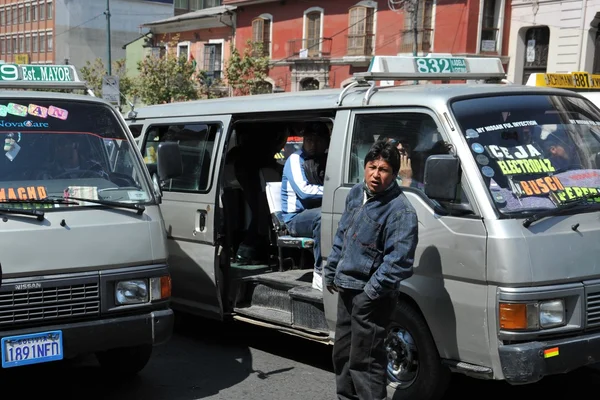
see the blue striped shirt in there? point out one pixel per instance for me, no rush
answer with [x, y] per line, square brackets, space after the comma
[296, 191]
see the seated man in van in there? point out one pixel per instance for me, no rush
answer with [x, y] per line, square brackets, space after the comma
[70, 161]
[405, 175]
[301, 199]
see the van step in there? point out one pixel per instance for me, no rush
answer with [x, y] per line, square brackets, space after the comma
[289, 279]
[266, 314]
[240, 271]
[306, 293]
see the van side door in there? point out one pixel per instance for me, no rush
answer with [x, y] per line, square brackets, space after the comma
[189, 204]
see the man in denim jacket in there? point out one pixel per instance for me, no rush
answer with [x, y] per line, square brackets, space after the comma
[373, 251]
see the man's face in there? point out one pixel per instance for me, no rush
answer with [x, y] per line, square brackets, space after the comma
[314, 145]
[378, 175]
[559, 151]
[65, 152]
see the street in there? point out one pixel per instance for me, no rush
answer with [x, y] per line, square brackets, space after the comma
[208, 360]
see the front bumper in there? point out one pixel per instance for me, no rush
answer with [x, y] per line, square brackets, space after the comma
[530, 362]
[153, 328]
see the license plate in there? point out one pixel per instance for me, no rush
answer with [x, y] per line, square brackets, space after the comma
[31, 349]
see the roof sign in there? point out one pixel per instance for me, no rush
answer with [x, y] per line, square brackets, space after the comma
[434, 66]
[23, 76]
[573, 80]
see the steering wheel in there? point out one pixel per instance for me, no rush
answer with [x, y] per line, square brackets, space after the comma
[81, 173]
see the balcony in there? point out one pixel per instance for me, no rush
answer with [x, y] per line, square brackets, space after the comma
[309, 48]
[360, 45]
[489, 40]
[423, 41]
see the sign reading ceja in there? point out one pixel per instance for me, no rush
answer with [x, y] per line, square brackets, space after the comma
[39, 73]
[520, 160]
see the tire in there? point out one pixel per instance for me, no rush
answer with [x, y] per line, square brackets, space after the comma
[415, 370]
[124, 362]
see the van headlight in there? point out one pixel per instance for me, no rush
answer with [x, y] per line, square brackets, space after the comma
[133, 291]
[532, 315]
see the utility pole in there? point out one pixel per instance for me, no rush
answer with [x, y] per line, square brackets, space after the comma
[414, 9]
[107, 13]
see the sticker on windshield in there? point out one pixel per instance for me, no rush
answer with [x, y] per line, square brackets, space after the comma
[487, 171]
[541, 186]
[584, 122]
[137, 195]
[483, 160]
[17, 109]
[477, 148]
[527, 166]
[506, 125]
[499, 197]
[471, 134]
[570, 193]
[58, 113]
[37, 111]
[23, 193]
[516, 152]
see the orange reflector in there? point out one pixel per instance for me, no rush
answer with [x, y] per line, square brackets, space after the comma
[513, 316]
[553, 352]
[165, 287]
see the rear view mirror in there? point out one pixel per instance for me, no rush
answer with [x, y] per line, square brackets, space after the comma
[169, 161]
[442, 177]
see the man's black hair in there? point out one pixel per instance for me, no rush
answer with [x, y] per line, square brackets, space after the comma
[386, 151]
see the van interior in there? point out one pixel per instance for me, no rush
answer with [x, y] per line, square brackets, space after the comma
[276, 286]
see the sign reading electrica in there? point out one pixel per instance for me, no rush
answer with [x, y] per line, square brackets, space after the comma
[40, 73]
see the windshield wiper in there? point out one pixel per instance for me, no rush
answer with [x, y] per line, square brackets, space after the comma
[34, 213]
[43, 201]
[569, 206]
[137, 207]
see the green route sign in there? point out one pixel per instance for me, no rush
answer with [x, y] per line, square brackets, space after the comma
[38, 73]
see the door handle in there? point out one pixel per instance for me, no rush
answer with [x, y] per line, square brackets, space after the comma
[201, 221]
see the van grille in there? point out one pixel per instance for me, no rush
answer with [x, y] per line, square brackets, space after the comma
[592, 309]
[49, 303]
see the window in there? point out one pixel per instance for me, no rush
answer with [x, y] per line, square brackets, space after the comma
[27, 13]
[490, 26]
[2, 18]
[212, 60]
[261, 33]
[8, 48]
[21, 44]
[49, 41]
[312, 32]
[360, 31]
[196, 143]
[34, 42]
[211, 3]
[2, 46]
[537, 41]
[416, 131]
[196, 5]
[27, 44]
[34, 12]
[49, 12]
[422, 43]
[309, 84]
[183, 50]
[15, 44]
[183, 4]
[21, 15]
[42, 11]
[42, 42]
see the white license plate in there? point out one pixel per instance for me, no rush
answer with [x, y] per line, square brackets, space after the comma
[31, 349]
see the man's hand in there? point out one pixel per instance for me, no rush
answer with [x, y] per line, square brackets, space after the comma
[332, 288]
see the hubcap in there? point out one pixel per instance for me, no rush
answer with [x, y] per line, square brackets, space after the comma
[403, 360]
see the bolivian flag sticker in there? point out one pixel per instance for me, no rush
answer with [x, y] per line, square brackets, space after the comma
[552, 352]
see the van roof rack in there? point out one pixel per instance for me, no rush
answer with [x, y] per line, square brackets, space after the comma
[431, 67]
[41, 76]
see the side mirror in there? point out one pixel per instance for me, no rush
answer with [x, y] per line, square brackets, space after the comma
[442, 177]
[169, 161]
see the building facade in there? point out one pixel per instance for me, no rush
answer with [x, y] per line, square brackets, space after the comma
[553, 36]
[72, 31]
[315, 44]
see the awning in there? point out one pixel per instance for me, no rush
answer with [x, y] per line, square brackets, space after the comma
[213, 17]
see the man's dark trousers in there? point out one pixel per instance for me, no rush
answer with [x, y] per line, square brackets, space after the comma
[359, 356]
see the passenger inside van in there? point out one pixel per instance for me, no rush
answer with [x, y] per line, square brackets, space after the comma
[302, 192]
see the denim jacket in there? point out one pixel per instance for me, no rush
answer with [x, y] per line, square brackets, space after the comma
[374, 247]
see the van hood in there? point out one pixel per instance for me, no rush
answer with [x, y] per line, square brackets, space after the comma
[91, 239]
[555, 249]
[565, 248]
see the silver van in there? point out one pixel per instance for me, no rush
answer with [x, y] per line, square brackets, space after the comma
[506, 284]
[84, 266]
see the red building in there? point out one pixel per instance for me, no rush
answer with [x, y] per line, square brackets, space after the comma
[321, 43]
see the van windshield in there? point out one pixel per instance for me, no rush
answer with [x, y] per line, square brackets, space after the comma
[56, 149]
[534, 151]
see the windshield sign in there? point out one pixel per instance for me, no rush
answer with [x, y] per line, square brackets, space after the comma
[534, 151]
[60, 150]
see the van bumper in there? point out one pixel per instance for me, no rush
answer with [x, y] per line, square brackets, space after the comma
[79, 338]
[528, 363]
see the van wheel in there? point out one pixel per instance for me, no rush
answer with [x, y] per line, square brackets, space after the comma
[125, 361]
[414, 367]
